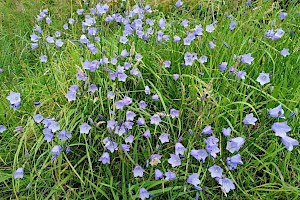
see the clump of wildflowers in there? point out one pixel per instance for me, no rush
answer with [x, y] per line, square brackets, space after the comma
[132, 121]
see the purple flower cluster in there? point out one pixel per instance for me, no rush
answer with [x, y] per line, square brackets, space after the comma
[275, 35]
[14, 99]
[281, 128]
[71, 94]
[129, 120]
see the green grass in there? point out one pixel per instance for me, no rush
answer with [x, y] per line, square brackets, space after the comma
[269, 170]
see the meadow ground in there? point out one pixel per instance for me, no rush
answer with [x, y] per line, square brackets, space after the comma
[205, 94]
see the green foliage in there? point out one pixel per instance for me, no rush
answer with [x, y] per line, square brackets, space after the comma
[269, 170]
